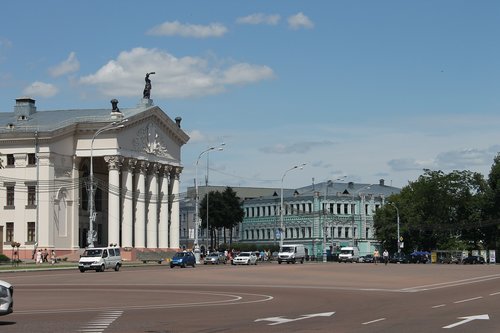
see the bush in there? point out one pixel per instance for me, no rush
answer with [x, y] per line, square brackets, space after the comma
[4, 258]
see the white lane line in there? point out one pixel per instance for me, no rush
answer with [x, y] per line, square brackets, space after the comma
[494, 294]
[468, 300]
[438, 306]
[101, 323]
[452, 283]
[373, 321]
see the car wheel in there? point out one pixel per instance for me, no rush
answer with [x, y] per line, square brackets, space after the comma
[279, 262]
[171, 266]
[117, 267]
[183, 265]
[255, 263]
[103, 268]
[82, 270]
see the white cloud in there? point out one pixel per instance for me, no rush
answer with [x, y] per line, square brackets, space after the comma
[299, 21]
[5, 43]
[196, 136]
[175, 77]
[406, 164]
[41, 89]
[70, 65]
[464, 159]
[259, 18]
[188, 30]
[246, 73]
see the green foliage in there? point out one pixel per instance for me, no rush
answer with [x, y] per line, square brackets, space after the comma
[4, 258]
[438, 210]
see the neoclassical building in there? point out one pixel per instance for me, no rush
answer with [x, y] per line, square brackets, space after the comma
[133, 156]
[326, 215]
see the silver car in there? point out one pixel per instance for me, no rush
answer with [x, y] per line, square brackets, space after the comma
[245, 258]
[6, 298]
[215, 258]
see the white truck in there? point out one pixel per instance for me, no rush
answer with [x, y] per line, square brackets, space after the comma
[292, 253]
[349, 254]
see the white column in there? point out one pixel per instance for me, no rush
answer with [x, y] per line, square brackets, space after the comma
[152, 222]
[163, 233]
[127, 202]
[174, 213]
[140, 205]
[114, 163]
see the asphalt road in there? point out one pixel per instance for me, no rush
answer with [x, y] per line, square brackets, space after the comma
[313, 297]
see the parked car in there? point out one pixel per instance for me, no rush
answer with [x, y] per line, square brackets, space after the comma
[183, 259]
[366, 258]
[6, 298]
[215, 258]
[399, 258]
[245, 258]
[473, 260]
[419, 257]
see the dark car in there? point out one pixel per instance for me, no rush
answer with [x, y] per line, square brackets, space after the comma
[399, 258]
[419, 257]
[183, 259]
[473, 260]
[366, 258]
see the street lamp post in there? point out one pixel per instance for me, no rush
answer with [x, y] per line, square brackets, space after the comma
[92, 214]
[197, 216]
[282, 233]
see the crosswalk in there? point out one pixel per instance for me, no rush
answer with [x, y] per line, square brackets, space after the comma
[101, 322]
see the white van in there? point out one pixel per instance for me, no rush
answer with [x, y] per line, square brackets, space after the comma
[291, 253]
[100, 258]
[349, 254]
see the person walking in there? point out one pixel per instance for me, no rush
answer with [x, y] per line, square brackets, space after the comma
[376, 256]
[386, 256]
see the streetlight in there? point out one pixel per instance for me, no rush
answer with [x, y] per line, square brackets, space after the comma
[92, 214]
[197, 218]
[329, 183]
[221, 147]
[397, 219]
[353, 210]
[282, 233]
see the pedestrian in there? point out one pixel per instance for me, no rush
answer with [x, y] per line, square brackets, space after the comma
[53, 258]
[45, 255]
[376, 256]
[386, 256]
[39, 257]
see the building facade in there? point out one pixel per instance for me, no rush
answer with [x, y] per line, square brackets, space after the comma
[322, 216]
[49, 158]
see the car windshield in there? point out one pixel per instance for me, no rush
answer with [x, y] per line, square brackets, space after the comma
[213, 254]
[181, 254]
[244, 254]
[92, 253]
[287, 249]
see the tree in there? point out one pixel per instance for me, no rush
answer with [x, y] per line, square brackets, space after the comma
[491, 224]
[436, 211]
[224, 212]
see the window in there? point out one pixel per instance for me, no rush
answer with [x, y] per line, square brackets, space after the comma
[10, 160]
[31, 232]
[31, 159]
[10, 196]
[339, 232]
[9, 232]
[31, 196]
[346, 232]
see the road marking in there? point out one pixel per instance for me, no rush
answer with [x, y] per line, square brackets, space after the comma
[494, 294]
[373, 321]
[438, 306]
[468, 300]
[452, 283]
[281, 320]
[467, 319]
[101, 323]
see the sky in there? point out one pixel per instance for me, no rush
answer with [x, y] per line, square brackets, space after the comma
[357, 90]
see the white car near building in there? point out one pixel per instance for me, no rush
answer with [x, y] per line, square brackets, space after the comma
[245, 258]
[6, 298]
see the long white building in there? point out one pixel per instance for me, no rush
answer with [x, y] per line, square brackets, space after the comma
[48, 158]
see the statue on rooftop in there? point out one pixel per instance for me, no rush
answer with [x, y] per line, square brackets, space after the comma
[147, 87]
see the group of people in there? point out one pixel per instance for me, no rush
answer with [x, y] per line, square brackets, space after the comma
[376, 256]
[43, 256]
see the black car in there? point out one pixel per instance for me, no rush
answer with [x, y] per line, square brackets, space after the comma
[473, 260]
[399, 258]
[419, 257]
[366, 258]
